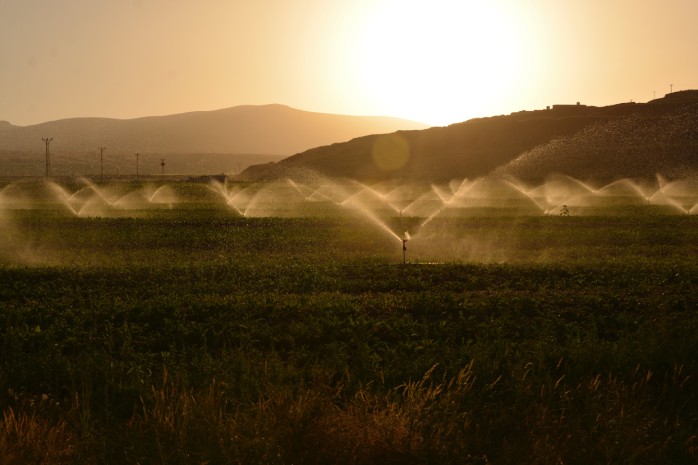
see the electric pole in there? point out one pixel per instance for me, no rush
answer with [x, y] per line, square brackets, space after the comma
[137, 155]
[671, 88]
[48, 156]
[101, 162]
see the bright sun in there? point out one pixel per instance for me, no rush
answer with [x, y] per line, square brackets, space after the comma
[437, 61]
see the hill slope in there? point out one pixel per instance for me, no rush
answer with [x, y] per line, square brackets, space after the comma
[636, 146]
[266, 129]
[615, 141]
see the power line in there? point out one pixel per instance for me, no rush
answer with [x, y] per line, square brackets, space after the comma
[47, 141]
[101, 162]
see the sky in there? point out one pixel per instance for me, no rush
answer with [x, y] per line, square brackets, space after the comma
[433, 61]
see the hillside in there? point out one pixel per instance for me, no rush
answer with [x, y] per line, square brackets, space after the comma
[631, 139]
[265, 129]
[636, 146]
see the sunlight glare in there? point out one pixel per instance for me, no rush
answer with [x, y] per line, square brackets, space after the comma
[436, 61]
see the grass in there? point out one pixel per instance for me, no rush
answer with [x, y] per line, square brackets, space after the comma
[194, 336]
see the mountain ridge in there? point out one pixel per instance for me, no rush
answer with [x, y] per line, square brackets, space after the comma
[502, 145]
[272, 129]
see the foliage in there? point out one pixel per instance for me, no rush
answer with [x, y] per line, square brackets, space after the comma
[194, 336]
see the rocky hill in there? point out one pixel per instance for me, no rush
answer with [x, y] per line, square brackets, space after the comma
[629, 139]
[639, 145]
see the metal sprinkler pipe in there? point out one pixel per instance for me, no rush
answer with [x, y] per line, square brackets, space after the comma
[405, 238]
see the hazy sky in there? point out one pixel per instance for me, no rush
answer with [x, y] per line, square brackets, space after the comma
[435, 61]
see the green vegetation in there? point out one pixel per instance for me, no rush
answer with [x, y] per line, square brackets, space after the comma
[196, 336]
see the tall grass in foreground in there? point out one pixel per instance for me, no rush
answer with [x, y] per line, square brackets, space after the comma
[605, 418]
[30, 438]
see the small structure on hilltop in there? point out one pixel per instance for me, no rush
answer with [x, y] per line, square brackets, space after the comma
[569, 109]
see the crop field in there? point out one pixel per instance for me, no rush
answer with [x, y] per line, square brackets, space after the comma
[207, 322]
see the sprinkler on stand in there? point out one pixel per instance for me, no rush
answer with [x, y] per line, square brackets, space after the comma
[405, 238]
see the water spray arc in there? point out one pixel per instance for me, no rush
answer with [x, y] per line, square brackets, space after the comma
[443, 221]
[561, 194]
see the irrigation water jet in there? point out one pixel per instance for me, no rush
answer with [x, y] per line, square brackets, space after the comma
[462, 190]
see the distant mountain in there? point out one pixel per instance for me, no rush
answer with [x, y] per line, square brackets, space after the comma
[265, 129]
[624, 140]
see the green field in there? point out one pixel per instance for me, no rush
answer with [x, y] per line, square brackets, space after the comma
[177, 331]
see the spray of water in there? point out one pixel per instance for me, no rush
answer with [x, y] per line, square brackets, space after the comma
[235, 197]
[461, 192]
[519, 188]
[63, 197]
[370, 215]
[403, 212]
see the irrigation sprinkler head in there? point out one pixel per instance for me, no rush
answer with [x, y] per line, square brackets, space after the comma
[405, 238]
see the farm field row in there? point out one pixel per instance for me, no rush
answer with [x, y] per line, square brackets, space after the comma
[193, 335]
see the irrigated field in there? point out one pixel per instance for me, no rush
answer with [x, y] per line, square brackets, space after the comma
[136, 327]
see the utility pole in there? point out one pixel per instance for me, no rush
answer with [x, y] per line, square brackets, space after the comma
[162, 165]
[101, 162]
[671, 88]
[137, 155]
[47, 141]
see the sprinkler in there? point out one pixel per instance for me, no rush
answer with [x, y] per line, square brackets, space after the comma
[405, 238]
